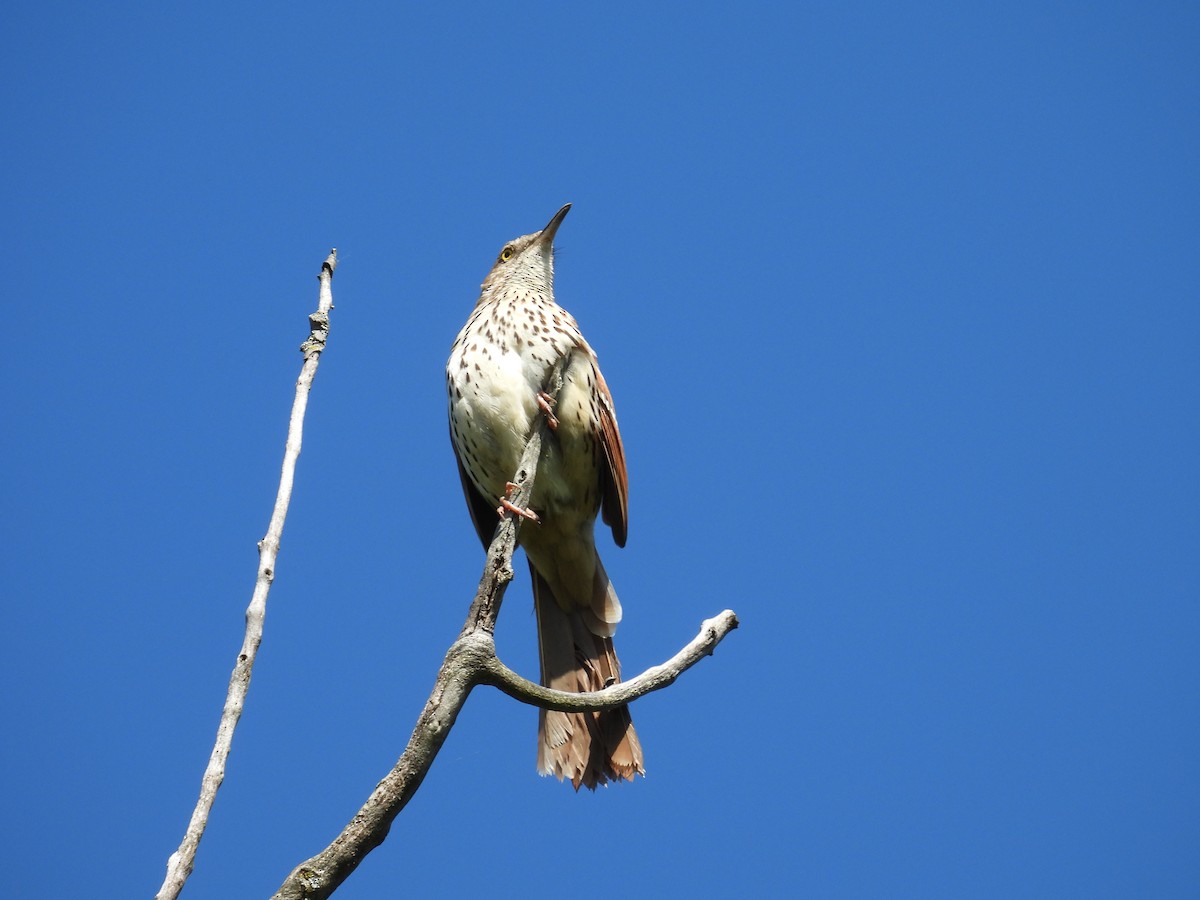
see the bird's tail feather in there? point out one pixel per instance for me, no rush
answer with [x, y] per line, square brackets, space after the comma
[588, 748]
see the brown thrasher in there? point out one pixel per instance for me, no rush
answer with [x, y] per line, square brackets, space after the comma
[495, 379]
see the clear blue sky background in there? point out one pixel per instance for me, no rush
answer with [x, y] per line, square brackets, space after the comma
[899, 306]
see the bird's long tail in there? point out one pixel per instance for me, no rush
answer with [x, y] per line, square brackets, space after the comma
[589, 748]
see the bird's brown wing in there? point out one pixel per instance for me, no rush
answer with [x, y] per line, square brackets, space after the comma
[614, 478]
[483, 513]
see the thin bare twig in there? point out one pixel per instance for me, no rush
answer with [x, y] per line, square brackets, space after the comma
[712, 631]
[179, 866]
[472, 660]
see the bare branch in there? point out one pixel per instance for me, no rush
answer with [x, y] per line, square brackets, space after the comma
[712, 631]
[180, 864]
[471, 660]
[461, 670]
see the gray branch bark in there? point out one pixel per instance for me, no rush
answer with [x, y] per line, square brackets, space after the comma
[472, 660]
[180, 864]
[712, 631]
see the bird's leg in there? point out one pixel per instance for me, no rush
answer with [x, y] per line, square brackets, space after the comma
[507, 505]
[546, 404]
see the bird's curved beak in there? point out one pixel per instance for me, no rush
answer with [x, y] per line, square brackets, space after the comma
[546, 235]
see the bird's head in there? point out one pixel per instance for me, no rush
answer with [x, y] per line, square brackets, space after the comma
[526, 263]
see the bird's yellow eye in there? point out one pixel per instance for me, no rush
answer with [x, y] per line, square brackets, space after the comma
[506, 254]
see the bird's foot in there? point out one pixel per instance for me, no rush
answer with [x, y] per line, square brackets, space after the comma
[507, 505]
[546, 404]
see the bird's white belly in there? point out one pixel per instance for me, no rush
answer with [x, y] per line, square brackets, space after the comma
[493, 409]
[492, 404]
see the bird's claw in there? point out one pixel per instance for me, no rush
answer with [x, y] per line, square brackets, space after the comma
[546, 404]
[507, 505]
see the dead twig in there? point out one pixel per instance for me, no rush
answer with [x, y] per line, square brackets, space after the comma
[180, 864]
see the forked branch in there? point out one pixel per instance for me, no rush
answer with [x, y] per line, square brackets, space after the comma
[472, 660]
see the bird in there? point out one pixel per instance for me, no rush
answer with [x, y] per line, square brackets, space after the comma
[495, 382]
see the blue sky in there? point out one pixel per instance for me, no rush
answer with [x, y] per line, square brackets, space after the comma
[899, 309]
